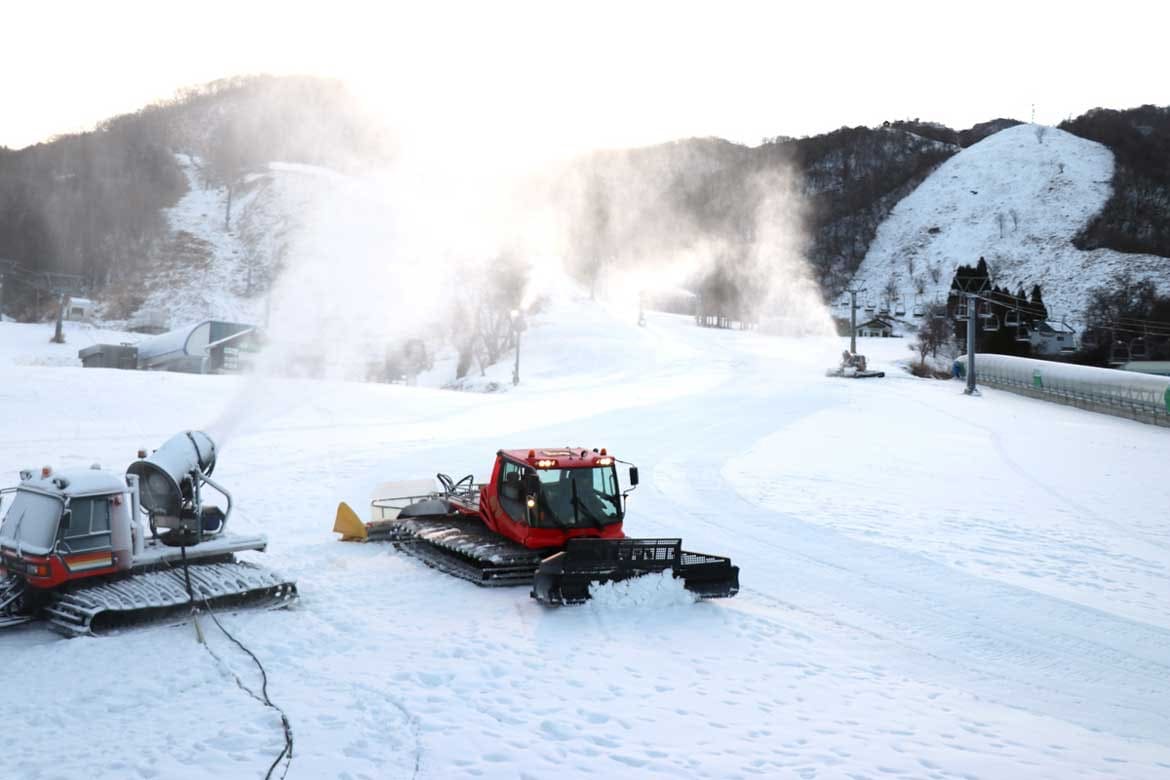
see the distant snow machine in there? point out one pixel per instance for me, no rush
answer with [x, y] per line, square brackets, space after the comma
[75, 549]
[853, 367]
[549, 518]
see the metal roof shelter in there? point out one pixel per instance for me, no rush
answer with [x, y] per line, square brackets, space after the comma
[208, 347]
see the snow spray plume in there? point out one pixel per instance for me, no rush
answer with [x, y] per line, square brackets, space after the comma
[646, 223]
[393, 254]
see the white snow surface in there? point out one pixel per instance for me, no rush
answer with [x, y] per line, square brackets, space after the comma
[31, 345]
[1044, 190]
[934, 586]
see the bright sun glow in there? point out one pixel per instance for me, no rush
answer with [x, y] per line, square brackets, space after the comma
[535, 80]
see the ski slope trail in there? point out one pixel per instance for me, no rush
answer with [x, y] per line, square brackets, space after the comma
[934, 586]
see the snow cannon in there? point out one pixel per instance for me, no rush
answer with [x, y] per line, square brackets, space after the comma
[171, 483]
[853, 366]
[76, 552]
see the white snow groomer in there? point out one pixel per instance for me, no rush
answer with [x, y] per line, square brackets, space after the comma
[853, 366]
[89, 550]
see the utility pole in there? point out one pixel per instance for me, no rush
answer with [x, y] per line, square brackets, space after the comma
[59, 334]
[853, 319]
[972, 321]
[516, 368]
[516, 328]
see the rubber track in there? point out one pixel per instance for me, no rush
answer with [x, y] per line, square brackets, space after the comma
[465, 548]
[11, 589]
[162, 595]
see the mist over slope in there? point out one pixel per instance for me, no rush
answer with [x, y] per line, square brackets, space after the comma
[99, 205]
[195, 207]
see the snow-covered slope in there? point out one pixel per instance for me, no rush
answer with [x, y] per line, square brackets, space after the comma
[1016, 198]
[209, 269]
[926, 593]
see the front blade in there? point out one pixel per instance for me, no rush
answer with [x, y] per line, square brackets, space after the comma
[565, 578]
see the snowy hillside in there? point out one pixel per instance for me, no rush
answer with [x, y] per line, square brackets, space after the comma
[1016, 198]
[925, 594]
[207, 269]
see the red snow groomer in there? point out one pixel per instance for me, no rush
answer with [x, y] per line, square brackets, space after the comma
[549, 518]
[89, 550]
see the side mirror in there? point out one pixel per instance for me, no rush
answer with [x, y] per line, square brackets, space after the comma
[633, 475]
[531, 483]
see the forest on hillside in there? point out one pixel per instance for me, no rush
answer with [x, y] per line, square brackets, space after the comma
[90, 205]
[1136, 217]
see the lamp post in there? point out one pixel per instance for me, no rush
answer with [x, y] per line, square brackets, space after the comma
[517, 326]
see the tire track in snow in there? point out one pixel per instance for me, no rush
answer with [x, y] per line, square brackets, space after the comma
[1003, 640]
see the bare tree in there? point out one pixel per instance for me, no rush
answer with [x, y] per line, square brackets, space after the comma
[482, 328]
[934, 334]
[890, 291]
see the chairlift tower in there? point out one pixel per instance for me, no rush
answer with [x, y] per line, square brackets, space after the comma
[60, 286]
[970, 290]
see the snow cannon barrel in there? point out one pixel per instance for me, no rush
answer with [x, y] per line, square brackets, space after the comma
[170, 484]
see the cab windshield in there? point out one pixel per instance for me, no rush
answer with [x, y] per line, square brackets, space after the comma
[31, 521]
[583, 497]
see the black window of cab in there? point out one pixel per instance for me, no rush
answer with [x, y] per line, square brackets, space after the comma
[511, 490]
[86, 524]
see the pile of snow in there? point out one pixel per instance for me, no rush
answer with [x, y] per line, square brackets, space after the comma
[650, 591]
[1017, 199]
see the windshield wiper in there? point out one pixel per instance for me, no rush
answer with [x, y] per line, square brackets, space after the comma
[578, 506]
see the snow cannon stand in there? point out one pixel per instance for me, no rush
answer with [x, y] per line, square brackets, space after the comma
[854, 367]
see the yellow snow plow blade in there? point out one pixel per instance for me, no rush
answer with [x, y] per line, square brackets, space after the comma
[348, 525]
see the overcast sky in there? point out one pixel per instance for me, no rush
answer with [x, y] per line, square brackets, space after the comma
[549, 78]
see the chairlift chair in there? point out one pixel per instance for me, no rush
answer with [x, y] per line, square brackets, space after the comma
[900, 307]
[1012, 318]
[919, 310]
[990, 323]
[961, 311]
[1138, 349]
[1119, 352]
[1022, 334]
